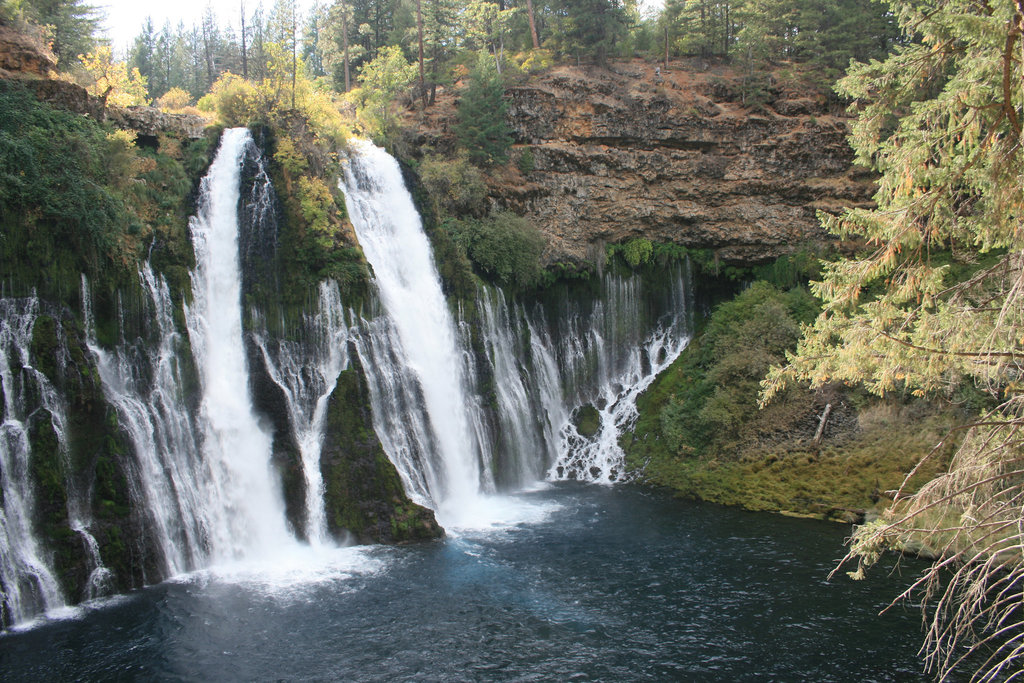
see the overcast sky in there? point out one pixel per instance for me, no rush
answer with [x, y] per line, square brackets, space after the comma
[124, 18]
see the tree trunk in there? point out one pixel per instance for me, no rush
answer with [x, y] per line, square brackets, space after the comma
[821, 425]
[344, 40]
[533, 24]
[245, 61]
[666, 45]
[419, 35]
[295, 51]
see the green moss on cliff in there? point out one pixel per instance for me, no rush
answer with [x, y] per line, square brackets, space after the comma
[363, 492]
[77, 196]
[90, 468]
[701, 434]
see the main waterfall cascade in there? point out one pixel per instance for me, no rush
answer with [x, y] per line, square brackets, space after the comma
[245, 509]
[424, 339]
[545, 364]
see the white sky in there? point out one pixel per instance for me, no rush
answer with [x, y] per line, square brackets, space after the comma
[123, 19]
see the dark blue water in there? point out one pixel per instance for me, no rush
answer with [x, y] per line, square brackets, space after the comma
[604, 585]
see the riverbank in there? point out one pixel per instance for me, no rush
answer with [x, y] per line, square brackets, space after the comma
[701, 435]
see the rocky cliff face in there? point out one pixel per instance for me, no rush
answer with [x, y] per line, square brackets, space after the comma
[622, 153]
[24, 55]
[25, 59]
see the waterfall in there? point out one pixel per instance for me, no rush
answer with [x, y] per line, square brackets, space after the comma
[607, 360]
[143, 380]
[307, 372]
[520, 387]
[414, 359]
[28, 584]
[242, 501]
[543, 365]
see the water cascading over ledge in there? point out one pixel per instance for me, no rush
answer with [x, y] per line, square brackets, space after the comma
[452, 444]
[423, 409]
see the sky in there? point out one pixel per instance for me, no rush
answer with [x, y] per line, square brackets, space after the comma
[124, 18]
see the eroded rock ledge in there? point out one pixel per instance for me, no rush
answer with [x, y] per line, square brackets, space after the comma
[621, 153]
[28, 62]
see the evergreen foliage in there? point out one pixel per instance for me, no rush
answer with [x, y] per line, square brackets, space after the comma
[504, 247]
[590, 28]
[743, 338]
[71, 25]
[43, 183]
[940, 121]
[482, 129]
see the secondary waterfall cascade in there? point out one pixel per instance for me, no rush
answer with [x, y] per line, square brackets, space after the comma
[606, 360]
[307, 372]
[602, 353]
[428, 408]
[28, 584]
[143, 380]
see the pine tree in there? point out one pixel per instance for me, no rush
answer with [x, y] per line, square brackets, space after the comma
[73, 26]
[936, 304]
[482, 129]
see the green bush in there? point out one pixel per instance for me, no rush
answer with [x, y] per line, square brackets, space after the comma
[53, 166]
[455, 187]
[505, 247]
[723, 369]
[526, 162]
[482, 129]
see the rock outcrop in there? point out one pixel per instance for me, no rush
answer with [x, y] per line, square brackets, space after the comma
[622, 153]
[28, 61]
[23, 54]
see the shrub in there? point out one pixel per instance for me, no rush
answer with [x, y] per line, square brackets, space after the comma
[482, 129]
[504, 246]
[743, 338]
[174, 100]
[455, 186]
[526, 161]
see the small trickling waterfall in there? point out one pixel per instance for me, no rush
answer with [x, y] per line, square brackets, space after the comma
[27, 579]
[143, 380]
[414, 359]
[604, 354]
[609, 358]
[307, 372]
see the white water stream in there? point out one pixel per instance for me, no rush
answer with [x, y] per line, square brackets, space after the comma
[424, 342]
[243, 502]
[458, 424]
[27, 579]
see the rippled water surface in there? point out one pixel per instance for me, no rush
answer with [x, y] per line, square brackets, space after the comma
[596, 584]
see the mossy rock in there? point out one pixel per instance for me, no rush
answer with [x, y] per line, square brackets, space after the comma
[587, 420]
[363, 492]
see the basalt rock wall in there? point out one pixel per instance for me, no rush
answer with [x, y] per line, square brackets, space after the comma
[690, 155]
